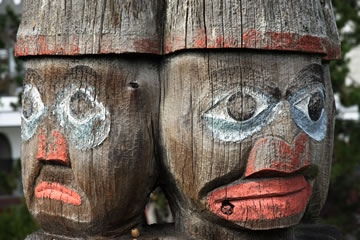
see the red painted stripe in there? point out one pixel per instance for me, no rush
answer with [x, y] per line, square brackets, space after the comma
[46, 45]
[258, 40]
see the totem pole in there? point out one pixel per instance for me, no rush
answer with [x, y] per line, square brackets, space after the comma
[247, 117]
[90, 114]
[240, 106]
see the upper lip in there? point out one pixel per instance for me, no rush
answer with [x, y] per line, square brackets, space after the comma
[261, 188]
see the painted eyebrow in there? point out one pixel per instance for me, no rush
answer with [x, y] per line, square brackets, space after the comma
[312, 73]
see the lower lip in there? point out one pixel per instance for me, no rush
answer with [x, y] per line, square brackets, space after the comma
[55, 191]
[262, 200]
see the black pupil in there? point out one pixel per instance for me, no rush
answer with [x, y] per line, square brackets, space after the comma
[241, 107]
[315, 107]
[81, 105]
[28, 107]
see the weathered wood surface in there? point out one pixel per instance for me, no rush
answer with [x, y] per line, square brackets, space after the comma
[100, 27]
[245, 135]
[89, 130]
[90, 27]
[246, 139]
[289, 25]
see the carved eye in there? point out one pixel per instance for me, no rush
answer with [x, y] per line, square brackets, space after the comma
[316, 106]
[83, 116]
[241, 107]
[308, 111]
[235, 116]
[312, 105]
[33, 111]
[81, 106]
[28, 107]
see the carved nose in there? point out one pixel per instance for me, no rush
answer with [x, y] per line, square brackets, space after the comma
[53, 149]
[272, 155]
[284, 125]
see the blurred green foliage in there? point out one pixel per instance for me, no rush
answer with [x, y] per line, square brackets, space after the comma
[9, 24]
[343, 205]
[16, 223]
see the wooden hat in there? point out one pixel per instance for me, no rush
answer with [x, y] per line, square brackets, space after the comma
[165, 26]
[90, 27]
[260, 24]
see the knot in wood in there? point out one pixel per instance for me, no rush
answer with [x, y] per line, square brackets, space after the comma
[227, 208]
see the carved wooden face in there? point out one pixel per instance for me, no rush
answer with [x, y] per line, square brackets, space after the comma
[87, 154]
[247, 137]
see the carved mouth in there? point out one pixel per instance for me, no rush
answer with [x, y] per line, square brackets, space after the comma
[265, 199]
[56, 191]
[274, 186]
[57, 182]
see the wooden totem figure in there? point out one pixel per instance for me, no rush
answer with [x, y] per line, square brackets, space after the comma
[247, 116]
[90, 114]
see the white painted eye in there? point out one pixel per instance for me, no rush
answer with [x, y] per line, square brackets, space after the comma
[80, 107]
[238, 114]
[244, 105]
[85, 119]
[33, 111]
[312, 105]
[308, 111]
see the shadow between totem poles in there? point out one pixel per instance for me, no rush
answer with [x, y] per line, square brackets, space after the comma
[247, 117]
[89, 120]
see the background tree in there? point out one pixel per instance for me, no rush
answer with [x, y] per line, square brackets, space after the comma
[343, 204]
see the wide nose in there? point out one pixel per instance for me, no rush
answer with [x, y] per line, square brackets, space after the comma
[284, 148]
[52, 147]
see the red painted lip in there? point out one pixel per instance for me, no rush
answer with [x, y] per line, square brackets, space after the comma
[56, 191]
[261, 200]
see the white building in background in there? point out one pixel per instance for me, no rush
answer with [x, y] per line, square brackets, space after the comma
[10, 121]
[354, 66]
[10, 141]
[353, 78]
[16, 5]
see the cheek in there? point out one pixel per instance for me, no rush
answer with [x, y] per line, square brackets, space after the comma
[30, 166]
[200, 159]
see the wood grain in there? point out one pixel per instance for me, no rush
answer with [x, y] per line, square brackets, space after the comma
[199, 160]
[90, 27]
[103, 189]
[305, 26]
[233, 127]
[161, 27]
